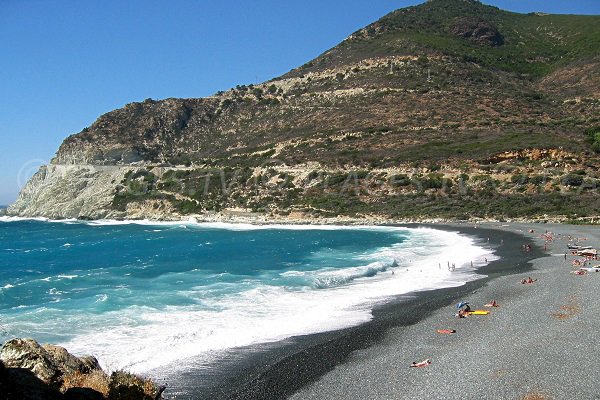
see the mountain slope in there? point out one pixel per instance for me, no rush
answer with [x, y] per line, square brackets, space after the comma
[434, 94]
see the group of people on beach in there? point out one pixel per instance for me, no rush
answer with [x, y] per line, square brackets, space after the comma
[465, 309]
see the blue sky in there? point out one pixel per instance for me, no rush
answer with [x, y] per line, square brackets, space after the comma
[66, 62]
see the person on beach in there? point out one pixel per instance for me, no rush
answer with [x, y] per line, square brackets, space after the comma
[528, 280]
[464, 311]
[420, 364]
[492, 304]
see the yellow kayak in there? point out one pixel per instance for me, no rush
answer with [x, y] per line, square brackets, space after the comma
[478, 312]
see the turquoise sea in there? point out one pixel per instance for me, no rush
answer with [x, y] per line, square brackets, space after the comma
[144, 296]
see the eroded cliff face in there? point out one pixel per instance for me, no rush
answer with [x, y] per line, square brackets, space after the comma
[70, 191]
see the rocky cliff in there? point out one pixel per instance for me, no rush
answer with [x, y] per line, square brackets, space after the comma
[409, 117]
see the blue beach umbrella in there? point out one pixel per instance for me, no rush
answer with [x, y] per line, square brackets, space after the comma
[461, 304]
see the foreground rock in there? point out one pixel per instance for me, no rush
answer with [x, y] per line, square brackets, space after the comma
[29, 370]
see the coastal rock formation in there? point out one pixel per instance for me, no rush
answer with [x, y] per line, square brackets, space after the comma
[30, 371]
[407, 118]
[69, 191]
[49, 363]
[38, 371]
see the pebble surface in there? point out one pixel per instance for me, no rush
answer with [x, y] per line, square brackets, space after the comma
[541, 343]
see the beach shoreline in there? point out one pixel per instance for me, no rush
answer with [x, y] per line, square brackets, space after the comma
[279, 370]
[511, 353]
[539, 344]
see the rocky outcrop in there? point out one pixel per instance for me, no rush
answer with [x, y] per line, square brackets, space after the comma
[30, 371]
[477, 30]
[70, 191]
[145, 131]
[48, 362]
[35, 371]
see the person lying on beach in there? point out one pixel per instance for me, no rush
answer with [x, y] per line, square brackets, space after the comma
[492, 304]
[528, 280]
[420, 364]
[462, 313]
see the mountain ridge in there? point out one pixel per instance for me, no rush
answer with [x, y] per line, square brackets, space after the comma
[435, 89]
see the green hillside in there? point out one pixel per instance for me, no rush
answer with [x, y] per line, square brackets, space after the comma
[533, 44]
[451, 109]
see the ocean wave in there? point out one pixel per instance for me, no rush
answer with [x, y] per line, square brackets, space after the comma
[192, 222]
[348, 275]
[264, 309]
[7, 218]
[67, 276]
[101, 298]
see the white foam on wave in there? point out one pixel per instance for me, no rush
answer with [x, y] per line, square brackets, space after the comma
[254, 227]
[7, 218]
[67, 276]
[143, 339]
[192, 222]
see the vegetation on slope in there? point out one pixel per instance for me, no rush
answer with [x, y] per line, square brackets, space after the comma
[454, 83]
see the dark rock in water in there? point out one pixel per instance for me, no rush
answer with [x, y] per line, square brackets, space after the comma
[478, 30]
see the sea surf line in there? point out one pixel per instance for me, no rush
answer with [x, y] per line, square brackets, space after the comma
[141, 295]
